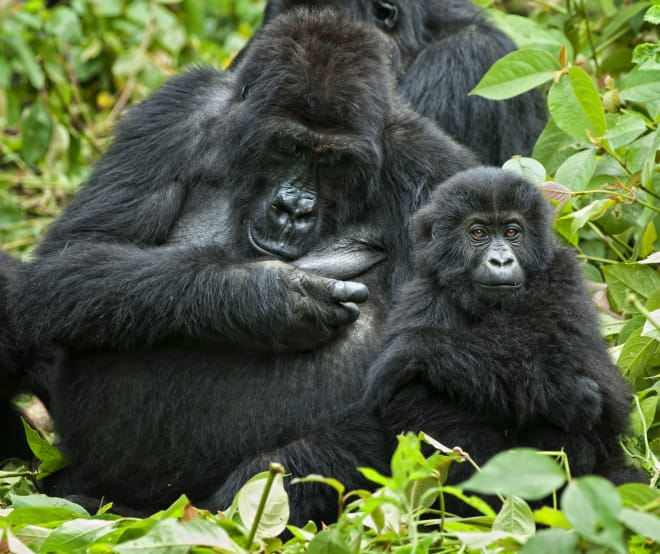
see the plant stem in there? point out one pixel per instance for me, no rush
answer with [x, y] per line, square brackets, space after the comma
[274, 469]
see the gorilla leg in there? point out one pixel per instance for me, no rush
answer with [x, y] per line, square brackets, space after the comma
[355, 439]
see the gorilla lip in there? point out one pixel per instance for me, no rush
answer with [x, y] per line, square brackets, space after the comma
[267, 251]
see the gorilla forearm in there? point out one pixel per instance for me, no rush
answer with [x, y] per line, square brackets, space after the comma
[110, 295]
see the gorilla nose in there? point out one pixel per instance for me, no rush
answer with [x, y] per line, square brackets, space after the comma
[293, 207]
[501, 259]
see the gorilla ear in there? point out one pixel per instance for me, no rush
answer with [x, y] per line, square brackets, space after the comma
[423, 223]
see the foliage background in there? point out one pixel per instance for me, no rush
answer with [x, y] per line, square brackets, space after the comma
[68, 72]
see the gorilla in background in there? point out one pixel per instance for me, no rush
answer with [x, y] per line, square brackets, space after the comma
[206, 278]
[444, 48]
[494, 344]
[23, 368]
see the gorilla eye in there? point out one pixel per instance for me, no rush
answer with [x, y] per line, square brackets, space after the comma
[511, 232]
[386, 13]
[479, 233]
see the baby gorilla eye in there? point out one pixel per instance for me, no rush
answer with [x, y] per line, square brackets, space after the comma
[511, 232]
[478, 233]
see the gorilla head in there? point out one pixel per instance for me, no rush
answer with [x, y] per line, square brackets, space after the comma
[482, 235]
[311, 103]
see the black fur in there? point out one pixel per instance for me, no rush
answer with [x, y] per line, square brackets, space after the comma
[185, 276]
[443, 49]
[24, 367]
[486, 369]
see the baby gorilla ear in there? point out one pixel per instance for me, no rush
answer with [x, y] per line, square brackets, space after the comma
[423, 225]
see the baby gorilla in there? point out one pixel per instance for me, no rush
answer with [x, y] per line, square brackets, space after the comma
[495, 344]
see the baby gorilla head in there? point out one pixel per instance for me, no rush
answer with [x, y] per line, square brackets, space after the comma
[483, 236]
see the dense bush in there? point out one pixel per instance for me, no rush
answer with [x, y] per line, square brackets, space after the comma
[68, 73]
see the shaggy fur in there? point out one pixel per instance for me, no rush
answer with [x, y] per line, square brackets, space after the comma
[442, 49]
[184, 277]
[487, 373]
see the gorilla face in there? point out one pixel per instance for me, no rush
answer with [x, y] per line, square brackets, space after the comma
[309, 116]
[492, 243]
[482, 236]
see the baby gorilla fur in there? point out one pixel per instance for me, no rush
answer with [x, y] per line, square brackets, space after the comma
[495, 343]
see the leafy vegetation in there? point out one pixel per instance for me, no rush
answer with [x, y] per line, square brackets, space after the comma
[67, 74]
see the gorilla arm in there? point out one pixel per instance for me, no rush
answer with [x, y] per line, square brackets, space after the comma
[488, 373]
[106, 277]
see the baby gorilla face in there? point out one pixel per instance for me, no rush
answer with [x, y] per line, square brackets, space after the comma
[491, 243]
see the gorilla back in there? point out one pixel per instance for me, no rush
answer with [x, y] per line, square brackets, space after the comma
[199, 277]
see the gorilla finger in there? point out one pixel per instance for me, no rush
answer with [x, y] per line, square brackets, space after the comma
[346, 313]
[349, 291]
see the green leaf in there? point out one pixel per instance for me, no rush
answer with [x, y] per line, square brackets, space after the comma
[76, 535]
[642, 84]
[593, 506]
[636, 351]
[516, 73]
[642, 523]
[479, 504]
[628, 129]
[43, 501]
[520, 472]
[26, 58]
[576, 172]
[50, 457]
[575, 105]
[276, 510]
[529, 168]
[557, 541]
[36, 133]
[174, 537]
[570, 224]
[515, 517]
[552, 147]
[339, 487]
[329, 541]
[638, 494]
[64, 24]
[625, 278]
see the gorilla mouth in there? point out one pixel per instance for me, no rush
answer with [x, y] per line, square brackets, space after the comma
[500, 286]
[267, 249]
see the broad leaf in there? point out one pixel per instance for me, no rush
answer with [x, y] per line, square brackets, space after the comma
[521, 472]
[593, 506]
[515, 517]
[641, 85]
[576, 172]
[575, 105]
[529, 168]
[329, 541]
[516, 73]
[276, 510]
[557, 541]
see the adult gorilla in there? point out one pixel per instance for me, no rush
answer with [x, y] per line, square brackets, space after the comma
[196, 346]
[494, 344]
[445, 47]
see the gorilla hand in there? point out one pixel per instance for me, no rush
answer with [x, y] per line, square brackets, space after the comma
[300, 310]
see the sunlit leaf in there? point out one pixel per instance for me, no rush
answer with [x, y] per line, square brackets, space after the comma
[528, 168]
[576, 172]
[515, 517]
[593, 506]
[515, 73]
[575, 105]
[522, 472]
[276, 510]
